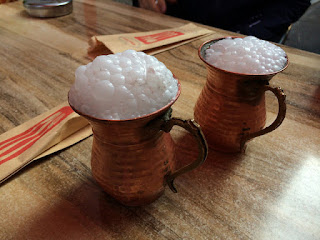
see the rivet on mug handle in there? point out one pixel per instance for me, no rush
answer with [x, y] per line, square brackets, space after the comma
[194, 128]
[278, 92]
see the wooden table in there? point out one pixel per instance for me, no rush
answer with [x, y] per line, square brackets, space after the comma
[271, 191]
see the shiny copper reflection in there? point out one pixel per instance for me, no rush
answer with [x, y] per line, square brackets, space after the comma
[134, 159]
[231, 107]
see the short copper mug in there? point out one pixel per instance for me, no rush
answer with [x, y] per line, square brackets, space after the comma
[231, 107]
[134, 159]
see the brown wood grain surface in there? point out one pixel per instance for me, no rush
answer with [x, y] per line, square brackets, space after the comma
[271, 191]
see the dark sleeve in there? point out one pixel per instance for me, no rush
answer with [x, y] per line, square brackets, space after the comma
[274, 19]
[285, 11]
[135, 3]
[260, 18]
[218, 13]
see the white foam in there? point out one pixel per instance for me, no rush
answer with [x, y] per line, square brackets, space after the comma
[122, 86]
[248, 55]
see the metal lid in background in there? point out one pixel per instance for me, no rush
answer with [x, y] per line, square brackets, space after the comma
[48, 8]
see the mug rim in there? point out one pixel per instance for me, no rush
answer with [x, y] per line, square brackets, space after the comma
[231, 72]
[167, 106]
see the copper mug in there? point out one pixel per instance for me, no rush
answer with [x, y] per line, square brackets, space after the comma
[231, 107]
[134, 159]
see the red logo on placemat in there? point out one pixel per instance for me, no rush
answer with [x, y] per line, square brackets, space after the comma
[25, 140]
[148, 39]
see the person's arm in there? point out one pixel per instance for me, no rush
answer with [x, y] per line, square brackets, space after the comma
[156, 6]
[153, 5]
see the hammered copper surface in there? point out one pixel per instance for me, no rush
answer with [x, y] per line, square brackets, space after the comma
[134, 170]
[231, 107]
[133, 159]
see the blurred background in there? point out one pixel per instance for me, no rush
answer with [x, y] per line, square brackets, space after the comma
[303, 34]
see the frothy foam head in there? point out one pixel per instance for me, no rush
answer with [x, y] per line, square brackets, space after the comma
[248, 55]
[122, 86]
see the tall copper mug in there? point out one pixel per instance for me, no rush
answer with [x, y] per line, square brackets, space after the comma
[134, 159]
[231, 108]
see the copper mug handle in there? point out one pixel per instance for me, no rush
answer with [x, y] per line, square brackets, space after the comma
[278, 92]
[194, 128]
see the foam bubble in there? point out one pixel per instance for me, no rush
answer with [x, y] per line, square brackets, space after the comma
[122, 86]
[248, 55]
